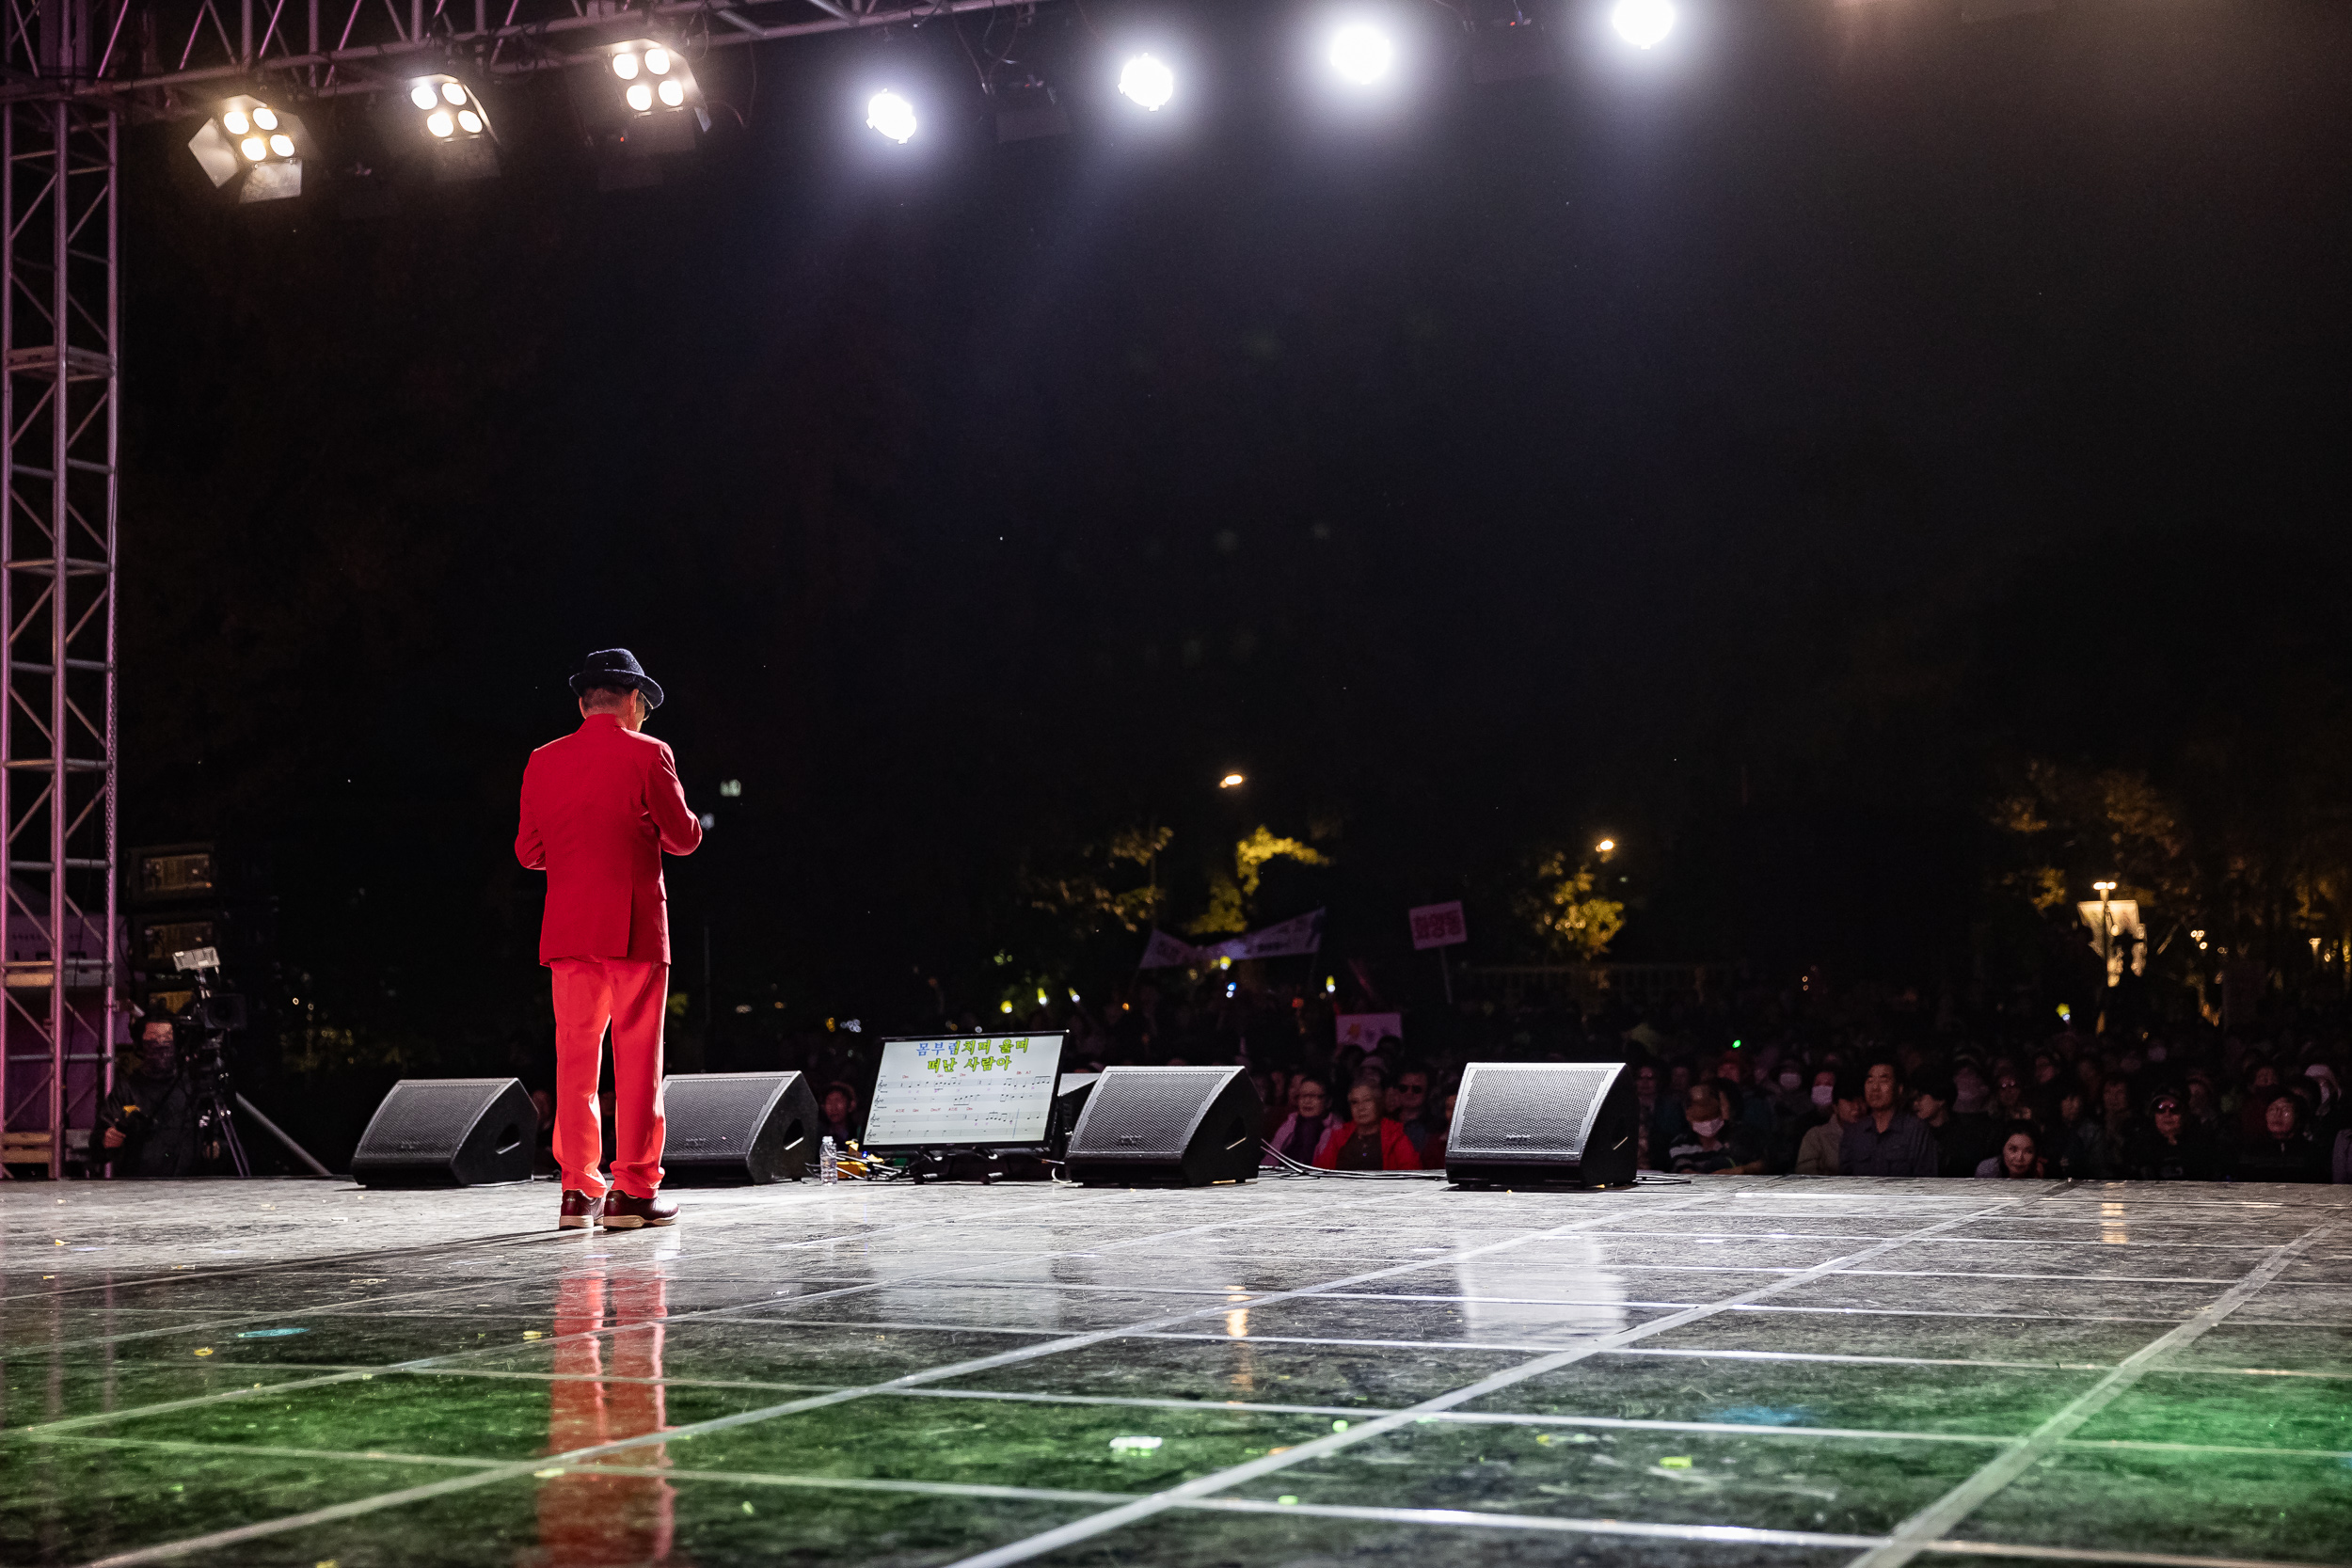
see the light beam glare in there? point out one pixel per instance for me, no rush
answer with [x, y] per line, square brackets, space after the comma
[1147, 80]
[1643, 23]
[891, 116]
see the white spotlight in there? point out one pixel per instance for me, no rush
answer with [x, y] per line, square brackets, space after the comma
[625, 66]
[1148, 81]
[1643, 23]
[421, 95]
[266, 116]
[1362, 54]
[453, 94]
[282, 145]
[671, 92]
[471, 121]
[640, 97]
[254, 148]
[891, 115]
[236, 122]
[658, 61]
[439, 124]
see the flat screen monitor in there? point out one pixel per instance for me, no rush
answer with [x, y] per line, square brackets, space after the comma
[963, 1090]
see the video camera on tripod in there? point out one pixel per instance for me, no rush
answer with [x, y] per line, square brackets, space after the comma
[218, 1015]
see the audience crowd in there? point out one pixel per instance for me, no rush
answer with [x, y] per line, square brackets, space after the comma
[1788, 1085]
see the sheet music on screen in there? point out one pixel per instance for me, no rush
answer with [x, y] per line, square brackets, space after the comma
[964, 1089]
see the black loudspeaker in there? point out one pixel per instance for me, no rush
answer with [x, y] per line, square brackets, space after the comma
[449, 1133]
[729, 1128]
[1071, 1093]
[1168, 1127]
[1544, 1124]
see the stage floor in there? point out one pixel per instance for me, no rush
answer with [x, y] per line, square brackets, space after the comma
[1782, 1371]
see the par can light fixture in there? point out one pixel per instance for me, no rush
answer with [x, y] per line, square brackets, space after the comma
[1642, 23]
[891, 116]
[1145, 80]
[1362, 52]
[658, 91]
[255, 145]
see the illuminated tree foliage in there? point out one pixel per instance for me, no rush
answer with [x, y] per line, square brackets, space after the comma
[1574, 921]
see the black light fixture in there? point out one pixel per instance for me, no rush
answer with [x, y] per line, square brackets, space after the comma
[255, 145]
[660, 106]
[453, 122]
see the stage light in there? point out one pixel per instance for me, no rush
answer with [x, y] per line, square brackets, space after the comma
[1643, 23]
[1147, 80]
[659, 82]
[457, 126]
[249, 142]
[891, 115]
[1362, 54]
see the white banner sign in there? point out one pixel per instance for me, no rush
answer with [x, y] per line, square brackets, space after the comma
[1365, 1031]
[1292, 938]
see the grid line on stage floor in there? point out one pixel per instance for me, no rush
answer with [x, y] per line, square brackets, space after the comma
[964, 1359]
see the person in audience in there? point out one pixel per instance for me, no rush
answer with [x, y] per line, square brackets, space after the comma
[1301, 1133]
[1367, 1140]
[2080, 1138]
[839, 1111]
[1817, 1154]
[2170, 1147]
[1888, 1140]
[1644, 1114]
[1408, 1104]
[1960, 1141]
[1712, 1143]
[2286, 1151]
[1435, 1160]
[2116, 1113]
[2010, 1103]
[2020, 1156]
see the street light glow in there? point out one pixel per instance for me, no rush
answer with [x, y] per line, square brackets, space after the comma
[1643, 23]
[1230, 780]
[1606, 845]
[2102, 887]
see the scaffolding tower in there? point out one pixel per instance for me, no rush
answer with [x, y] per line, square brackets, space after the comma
[59, 394]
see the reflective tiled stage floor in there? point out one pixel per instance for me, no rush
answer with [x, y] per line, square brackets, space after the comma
[1785, 1371]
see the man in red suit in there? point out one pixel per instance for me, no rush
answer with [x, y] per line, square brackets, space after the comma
[599, 808]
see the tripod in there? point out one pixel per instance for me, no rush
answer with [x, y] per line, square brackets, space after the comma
[216, 1094]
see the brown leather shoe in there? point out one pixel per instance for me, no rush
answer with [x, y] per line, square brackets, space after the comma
[623, 1212]
[579, 1211]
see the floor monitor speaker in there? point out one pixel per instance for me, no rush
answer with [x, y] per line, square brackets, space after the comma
[1522, 1124]
[449, 1133]
[1167, 1126]
[1071, 1092]
[729, 1128]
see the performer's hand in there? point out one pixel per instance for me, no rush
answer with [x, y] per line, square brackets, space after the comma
[113, 1138]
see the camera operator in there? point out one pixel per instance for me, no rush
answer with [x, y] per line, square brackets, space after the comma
[148, 1121]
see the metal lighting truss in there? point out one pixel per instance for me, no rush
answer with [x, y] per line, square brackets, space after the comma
[165, 57]
[59, 379]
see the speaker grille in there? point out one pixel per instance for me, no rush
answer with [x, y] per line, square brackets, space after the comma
[1148, 1116]
[1528, 1113]
[432, 1118]
[715, 1113]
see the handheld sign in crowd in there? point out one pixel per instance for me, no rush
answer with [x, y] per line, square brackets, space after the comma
[965, 1091]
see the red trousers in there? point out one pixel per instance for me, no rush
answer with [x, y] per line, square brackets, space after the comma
[630, 996]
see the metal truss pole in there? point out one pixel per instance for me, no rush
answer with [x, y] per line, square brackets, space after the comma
[59, 394]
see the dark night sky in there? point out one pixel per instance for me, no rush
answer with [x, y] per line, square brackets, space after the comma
[1743, 450]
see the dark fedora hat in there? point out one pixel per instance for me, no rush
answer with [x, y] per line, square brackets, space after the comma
[616, 667]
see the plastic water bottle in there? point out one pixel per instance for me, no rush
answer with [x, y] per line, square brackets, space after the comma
[828, 1162]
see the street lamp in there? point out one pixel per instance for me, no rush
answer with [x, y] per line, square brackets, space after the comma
[1230, 780]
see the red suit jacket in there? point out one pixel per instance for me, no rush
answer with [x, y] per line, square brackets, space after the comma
[599, 807]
